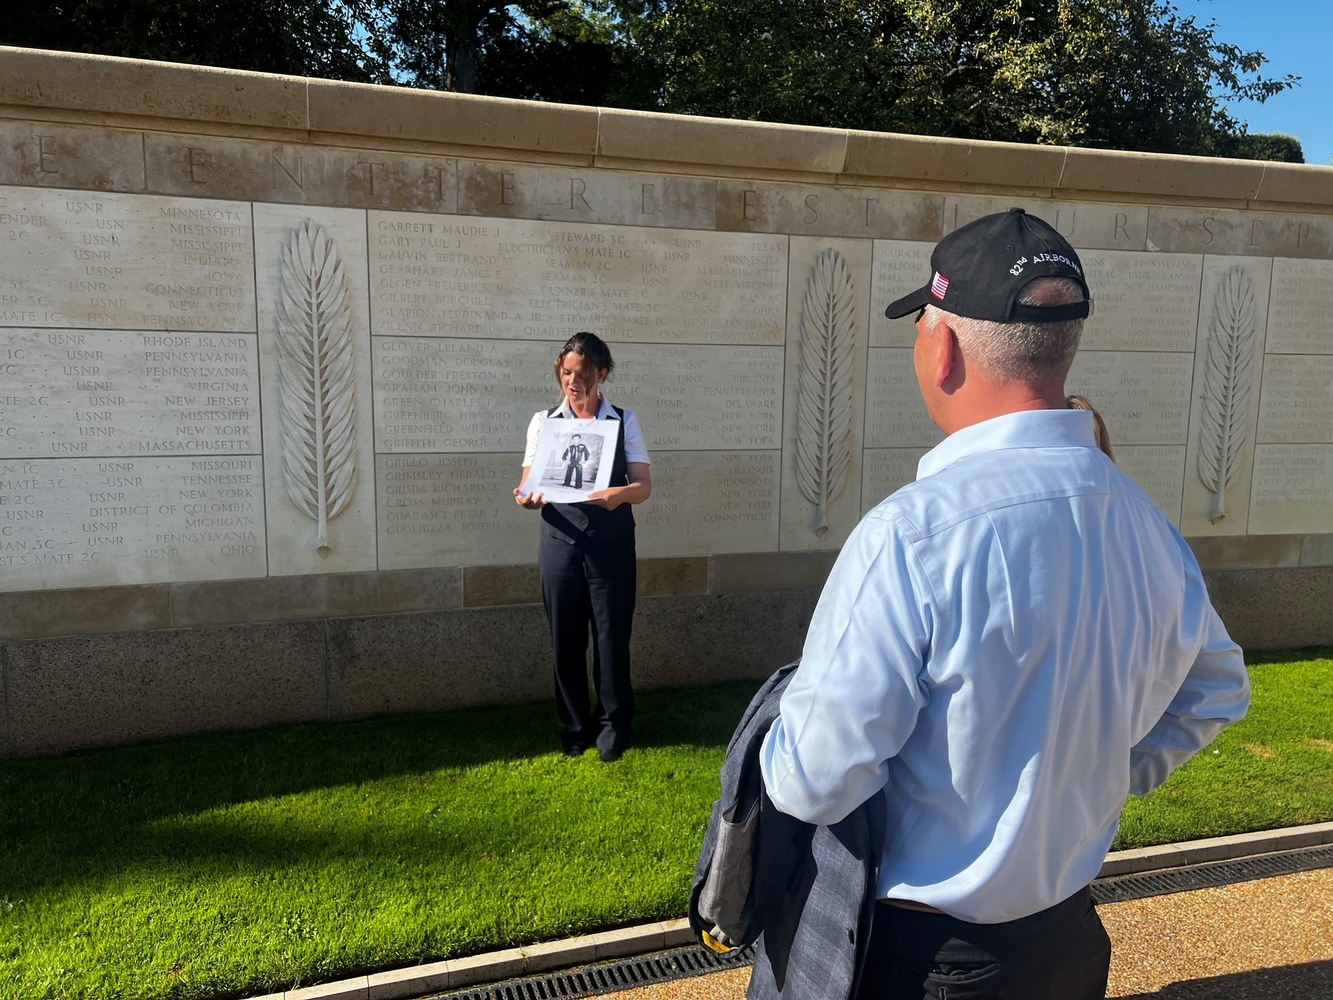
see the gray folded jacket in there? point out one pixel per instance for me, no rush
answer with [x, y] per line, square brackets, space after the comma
[805, 893]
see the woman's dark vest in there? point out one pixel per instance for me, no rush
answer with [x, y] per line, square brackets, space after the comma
[578, 522]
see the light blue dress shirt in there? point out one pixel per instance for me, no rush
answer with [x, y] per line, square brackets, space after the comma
[1004, 649]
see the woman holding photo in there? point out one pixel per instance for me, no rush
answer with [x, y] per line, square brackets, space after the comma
[587, 561]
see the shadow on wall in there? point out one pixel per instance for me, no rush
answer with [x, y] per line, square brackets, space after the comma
[1310, 979]
[102, 690]
[1274, 608]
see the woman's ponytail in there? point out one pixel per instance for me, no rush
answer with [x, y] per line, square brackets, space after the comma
[1099, 431]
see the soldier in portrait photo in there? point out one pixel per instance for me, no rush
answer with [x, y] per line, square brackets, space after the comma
[574, 456]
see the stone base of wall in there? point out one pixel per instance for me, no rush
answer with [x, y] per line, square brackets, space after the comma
[1278, 608]
[85, 691]
[101, 690]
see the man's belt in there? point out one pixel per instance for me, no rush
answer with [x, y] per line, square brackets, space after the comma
[913, 905]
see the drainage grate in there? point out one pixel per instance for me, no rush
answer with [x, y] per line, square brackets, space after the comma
[594, 980]
[682, 963]
[1215, 873]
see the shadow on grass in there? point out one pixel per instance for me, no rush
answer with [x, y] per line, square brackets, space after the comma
[73, 810]
[1254, 657]
[1310, 979]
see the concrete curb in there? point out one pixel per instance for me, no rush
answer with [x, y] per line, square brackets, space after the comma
[458, 973]
[1196, 852]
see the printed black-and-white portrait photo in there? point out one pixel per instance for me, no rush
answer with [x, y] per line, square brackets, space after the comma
[573, 462]
[573, 459]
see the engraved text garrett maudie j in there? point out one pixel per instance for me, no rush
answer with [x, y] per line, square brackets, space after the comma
[316, 379]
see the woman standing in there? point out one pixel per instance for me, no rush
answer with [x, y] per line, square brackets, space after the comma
[587, 560]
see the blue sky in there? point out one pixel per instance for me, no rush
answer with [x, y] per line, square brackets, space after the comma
[1297, 37]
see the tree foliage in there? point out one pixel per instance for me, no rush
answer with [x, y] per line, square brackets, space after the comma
[1261, 146]
[550, 50]
[1113, 74]
[1118, 74]
[303, 37]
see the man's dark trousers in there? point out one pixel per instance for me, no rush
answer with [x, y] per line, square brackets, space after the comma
[591, 581]
[1061, 953]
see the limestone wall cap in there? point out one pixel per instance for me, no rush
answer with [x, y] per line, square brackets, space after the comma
[134, 93]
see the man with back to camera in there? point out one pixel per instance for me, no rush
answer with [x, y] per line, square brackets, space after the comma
[1005, 648]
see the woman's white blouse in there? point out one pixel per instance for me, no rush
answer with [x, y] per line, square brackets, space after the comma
[635, 449]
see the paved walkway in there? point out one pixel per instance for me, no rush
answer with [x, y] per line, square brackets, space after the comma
[1261, 940]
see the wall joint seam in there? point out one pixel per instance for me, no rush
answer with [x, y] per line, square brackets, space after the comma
[1064, 162]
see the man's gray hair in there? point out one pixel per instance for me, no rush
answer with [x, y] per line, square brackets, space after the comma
[1021, 350]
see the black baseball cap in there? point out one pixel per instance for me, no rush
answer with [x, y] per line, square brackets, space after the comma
[980, 269]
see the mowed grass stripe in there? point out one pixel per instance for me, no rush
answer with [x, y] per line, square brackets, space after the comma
[242, 863]
[1274, 768]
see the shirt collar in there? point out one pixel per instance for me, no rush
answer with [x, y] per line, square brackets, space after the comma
[1024, 429]
[605, 411]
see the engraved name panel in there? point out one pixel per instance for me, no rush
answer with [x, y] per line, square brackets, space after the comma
[438, 395]
[87, 522]
[121, 261]
[690, 398]
[1296, 404]
[128, 393]
[885, 471]
[454, 276]
[710, 501]
[896, 417]
[1144, 398]
[1292, 490]
[1159, 470]
[1300, 310]
[451, 510]
[900, 267]
[1142, 301]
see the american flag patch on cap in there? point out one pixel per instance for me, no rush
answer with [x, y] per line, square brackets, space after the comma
[939, 286]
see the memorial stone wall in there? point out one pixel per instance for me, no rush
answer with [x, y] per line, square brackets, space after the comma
[265, 380]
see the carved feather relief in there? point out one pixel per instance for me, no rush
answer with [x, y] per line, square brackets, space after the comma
[827, 351]
[1226, 386]
[316, 379]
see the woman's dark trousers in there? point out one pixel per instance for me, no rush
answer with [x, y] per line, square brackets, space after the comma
[1061, 953]
[591, 582]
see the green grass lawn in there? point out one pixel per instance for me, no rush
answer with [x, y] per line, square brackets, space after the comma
[238, 864]
[1273, 768]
